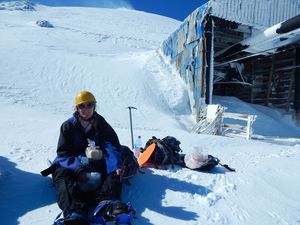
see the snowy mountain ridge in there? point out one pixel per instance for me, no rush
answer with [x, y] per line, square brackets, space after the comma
[17, 5]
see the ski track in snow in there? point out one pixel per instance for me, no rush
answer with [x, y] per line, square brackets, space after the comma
[21, 154]
[15, 95]
[278, 219]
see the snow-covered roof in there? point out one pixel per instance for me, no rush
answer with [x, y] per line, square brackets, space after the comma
[256, 13]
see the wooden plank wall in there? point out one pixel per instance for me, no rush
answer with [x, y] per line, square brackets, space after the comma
[270, 78]
[273, 80]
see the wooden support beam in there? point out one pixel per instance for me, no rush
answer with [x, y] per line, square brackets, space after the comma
[269, 90]
[288, 104]
[236, 116]
[251, 88]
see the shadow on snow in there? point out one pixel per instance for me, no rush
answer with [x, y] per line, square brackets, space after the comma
[148, 192]
[21, 192]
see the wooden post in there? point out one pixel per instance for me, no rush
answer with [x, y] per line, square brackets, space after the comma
[252, 82]
[288, 103]
[249, 126]
[270, 81]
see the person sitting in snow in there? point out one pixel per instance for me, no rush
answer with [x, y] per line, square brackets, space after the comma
[86, 169]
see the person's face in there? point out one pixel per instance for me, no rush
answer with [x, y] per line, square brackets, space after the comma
[86, 110]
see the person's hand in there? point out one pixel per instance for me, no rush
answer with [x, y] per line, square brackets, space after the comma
[94, 153]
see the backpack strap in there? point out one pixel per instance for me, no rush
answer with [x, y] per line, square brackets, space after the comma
[227, 167]
[170, 151]
[223, 165]
[48, 171]
[73, 218]
[115, 211]
[165, 151]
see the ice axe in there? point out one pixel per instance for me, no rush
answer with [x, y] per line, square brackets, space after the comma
[130, 118]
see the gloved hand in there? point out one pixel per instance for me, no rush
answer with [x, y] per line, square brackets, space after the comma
[94, 153]
[118, 172]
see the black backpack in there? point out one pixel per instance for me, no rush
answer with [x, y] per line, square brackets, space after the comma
[129, 164]
[166, 150]
[172, 143]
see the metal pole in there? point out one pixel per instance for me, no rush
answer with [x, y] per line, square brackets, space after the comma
[130, 118]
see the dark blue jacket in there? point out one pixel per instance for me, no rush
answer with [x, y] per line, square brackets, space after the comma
[73, 142]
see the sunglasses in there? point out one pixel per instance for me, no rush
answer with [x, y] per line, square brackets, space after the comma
[86, 105]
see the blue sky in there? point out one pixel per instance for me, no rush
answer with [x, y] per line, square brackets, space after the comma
[177, 9]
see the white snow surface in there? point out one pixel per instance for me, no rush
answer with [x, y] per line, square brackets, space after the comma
[114, 54]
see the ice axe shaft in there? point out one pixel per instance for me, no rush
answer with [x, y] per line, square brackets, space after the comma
[130, 118]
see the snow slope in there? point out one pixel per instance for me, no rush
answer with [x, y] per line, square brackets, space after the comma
[114, 54]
